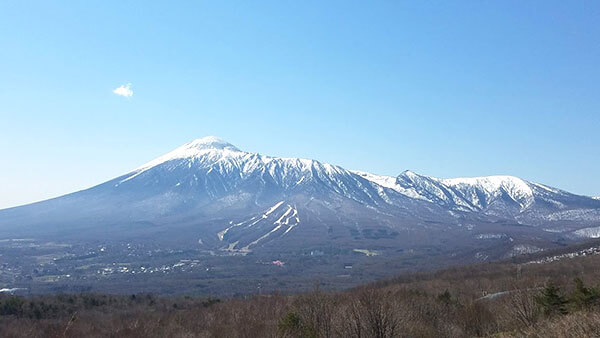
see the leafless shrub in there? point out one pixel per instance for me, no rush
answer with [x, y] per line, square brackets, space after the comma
[579, 325]
[523, 308]
[316, 311]
[377, 313]
[478, 320]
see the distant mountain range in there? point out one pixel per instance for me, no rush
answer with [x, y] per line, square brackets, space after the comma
[212, 195]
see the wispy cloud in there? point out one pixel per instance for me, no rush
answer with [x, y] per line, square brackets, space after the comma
[124, 90]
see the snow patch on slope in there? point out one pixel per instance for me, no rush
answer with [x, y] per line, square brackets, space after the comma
[282, 220]
[289, 219]
[522, 249]
[593, 232]
[250, 222]
[491, 236]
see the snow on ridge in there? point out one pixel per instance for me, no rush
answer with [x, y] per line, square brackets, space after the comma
[547, 188]
[463, 192]
[411, 174]
[518, 189]
[384, 181]
[490, 183]
[210, 150]
[390, 183]
[466, 193]
[213, 154]
[216, 150]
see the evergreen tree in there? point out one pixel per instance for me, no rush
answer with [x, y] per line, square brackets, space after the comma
[551, 301]
[583, 297]
[445, 297]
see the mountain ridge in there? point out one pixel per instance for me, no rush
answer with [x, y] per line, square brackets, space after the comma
[207, 145]
[212, 188]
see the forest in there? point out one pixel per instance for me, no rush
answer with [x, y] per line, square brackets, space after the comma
[529, 297]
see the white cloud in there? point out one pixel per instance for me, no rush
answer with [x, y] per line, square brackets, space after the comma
[124, 90]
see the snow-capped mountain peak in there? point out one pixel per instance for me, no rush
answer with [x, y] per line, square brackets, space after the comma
[409, 173]
[243, 201]
[207, 160]
[209, 145]
[214, 167]
[210, 142]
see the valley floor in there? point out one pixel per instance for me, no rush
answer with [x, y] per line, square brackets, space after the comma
[555, 295]
[126, 267]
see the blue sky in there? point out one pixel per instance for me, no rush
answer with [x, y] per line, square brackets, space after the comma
[443, 88]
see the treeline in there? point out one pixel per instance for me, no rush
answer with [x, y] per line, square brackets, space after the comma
[558, 299]
[58, 306]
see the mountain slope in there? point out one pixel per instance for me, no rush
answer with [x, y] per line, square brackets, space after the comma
[237, 201]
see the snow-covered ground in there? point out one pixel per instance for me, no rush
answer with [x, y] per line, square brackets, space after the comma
[593, 232]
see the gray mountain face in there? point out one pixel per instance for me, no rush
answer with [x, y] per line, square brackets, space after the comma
[210, 194]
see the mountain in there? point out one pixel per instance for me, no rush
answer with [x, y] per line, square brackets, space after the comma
[211, 195]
